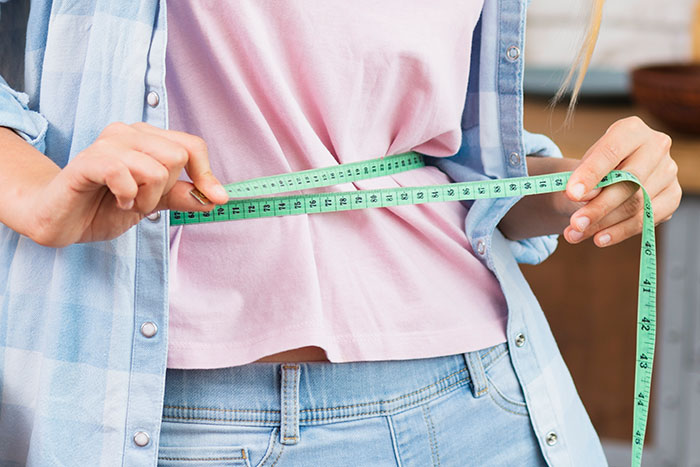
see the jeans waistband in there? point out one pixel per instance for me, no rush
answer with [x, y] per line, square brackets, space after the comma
[290, 394]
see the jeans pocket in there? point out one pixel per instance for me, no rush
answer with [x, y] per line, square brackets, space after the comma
[213, 445]
[504, 386]
[206, 456]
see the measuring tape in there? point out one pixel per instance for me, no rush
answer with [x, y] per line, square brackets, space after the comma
[342, 201]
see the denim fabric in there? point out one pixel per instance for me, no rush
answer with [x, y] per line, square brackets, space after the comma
[77, 378]
[459, 410]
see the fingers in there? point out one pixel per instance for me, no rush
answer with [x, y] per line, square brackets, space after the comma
[179, 199]
[626, 221]
[197, 162]
[622, 139]
[140, 165]
[663, 207]
[120, 182]
[621, 201]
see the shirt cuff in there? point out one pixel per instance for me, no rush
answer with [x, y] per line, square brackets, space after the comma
[15, 114]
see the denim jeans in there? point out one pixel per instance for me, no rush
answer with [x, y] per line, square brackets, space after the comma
[460, 410]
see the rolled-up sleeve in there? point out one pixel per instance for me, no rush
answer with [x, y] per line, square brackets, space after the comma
[14, 110]
[536, 249]
[15, 114]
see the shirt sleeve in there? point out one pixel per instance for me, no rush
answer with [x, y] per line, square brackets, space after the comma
[536, 249]
[15, 114]
[14, 111]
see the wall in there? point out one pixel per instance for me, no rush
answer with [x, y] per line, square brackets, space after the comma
[634, 32]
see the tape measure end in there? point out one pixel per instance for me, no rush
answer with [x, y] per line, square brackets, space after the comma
[199, 196]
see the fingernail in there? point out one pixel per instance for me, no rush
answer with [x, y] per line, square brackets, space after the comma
[582, 222]
[220, 191]
[578, 190]
[575, 235]
[604, 239]
[128, 205]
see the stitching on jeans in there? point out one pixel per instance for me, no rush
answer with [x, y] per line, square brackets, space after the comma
[166, 458]
[495, 359]
[271, 446]
[506, 408]
[279, 454]
[213, 409]
[285, 413]
[404, 396]
[296, 401]
[362, 404]
[431, 435]
[335, 417]
[506, 398]
[490, 351]
[340, 407]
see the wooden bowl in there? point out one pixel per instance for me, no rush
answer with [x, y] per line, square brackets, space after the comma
[671, 93]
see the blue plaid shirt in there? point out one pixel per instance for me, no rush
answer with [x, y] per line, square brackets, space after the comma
[77, 377]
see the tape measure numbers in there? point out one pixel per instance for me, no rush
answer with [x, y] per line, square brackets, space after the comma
[249, 208]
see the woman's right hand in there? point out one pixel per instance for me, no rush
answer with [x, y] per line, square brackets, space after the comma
[129, 172]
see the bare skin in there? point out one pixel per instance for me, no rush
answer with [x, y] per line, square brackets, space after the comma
[132, 170]
[614, 214]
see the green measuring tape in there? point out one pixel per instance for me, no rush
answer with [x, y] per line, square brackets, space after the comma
[341, 201]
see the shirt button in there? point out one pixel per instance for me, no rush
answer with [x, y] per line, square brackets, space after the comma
[513, 53]
[141, 438]
[551, 438]
[149, 329]
[514, 159]
[154, 216]
[481, 247]
[153, 99]
[520, 340]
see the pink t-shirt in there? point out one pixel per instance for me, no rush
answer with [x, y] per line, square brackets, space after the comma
[281, 86]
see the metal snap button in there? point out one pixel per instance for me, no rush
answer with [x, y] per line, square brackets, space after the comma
[520, 340]
[149, 329]
[514, 159]
[154, 216]
[141, 438]
[481, 247]
[153, 99]
[551, 438]
[513, 53]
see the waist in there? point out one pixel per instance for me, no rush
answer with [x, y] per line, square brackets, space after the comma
[325, 391]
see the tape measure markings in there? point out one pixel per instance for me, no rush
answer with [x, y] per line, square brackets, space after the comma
[317, 178]
[250, 208]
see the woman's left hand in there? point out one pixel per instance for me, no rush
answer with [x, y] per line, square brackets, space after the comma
[616, 212]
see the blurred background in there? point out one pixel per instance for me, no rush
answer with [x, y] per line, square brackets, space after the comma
[590, 294]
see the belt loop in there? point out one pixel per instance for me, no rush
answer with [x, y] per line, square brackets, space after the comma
[476, 373]
[289, 410]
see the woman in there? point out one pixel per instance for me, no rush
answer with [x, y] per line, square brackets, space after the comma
[401, 336]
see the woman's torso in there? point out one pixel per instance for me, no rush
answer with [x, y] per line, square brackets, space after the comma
[280, 87]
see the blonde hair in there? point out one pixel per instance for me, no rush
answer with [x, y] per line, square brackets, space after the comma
[578, 69]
